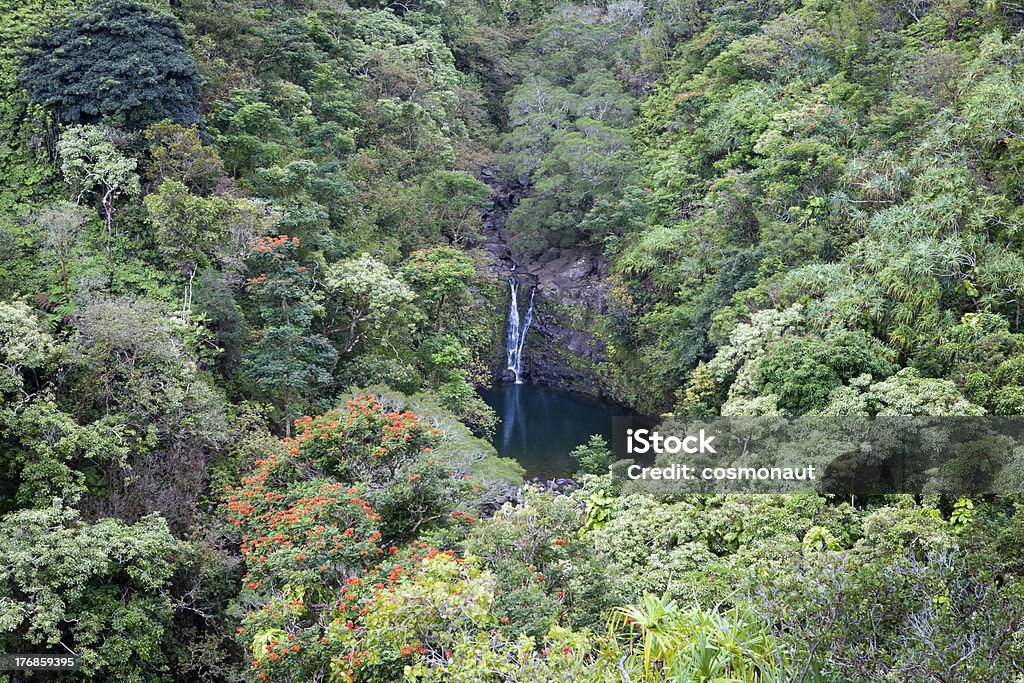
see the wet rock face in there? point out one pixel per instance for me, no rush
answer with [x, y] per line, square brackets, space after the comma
[496, 240]
[563, 351]
[560, 349]
[561, 356]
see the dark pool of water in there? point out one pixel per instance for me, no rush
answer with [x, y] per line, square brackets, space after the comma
[539, 426]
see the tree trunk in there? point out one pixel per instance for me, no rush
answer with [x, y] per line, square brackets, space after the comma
[64, 279]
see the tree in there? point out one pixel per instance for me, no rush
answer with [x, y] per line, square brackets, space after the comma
[588, 159]
[70, 586]
[187, 228]
[251, 135]
[93, 166]
[133, 363]
[120, 61]
[801, 372]
[453, 199]
[593, 457]
[438, 274]
[905, 393]
[51, 456]
[574, 143]
[23, 345]
[287, 360]
[177, 153]
[135, 357]
[61, 225]
[319, 510]
[554, 577]
[366, 298]
[569, 119]
[193, 232]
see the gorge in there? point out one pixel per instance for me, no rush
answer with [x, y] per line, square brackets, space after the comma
[561, 314]
[547, 395]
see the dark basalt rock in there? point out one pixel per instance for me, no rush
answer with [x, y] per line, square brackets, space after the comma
[514, 495]
[559, 485]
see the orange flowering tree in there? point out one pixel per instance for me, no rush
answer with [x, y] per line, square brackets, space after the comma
[410, 609]
[390, 451]
[288, 360]
[315, 517]
[305, 546]
[363, 441]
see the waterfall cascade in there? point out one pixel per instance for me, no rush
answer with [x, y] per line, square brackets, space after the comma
[515, 337]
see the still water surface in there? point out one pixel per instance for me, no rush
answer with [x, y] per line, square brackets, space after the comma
[539, 426]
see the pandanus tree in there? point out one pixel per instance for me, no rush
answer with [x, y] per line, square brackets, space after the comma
[667, 642]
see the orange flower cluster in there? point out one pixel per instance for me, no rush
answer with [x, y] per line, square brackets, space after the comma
[262, 280]
[269, 244]
[362, 427]
[353, 660]
[273, 651]
[458, 514]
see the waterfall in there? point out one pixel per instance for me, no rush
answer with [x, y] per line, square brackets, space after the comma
[517, 329]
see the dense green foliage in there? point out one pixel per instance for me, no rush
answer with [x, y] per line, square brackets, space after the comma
[855, 163]
[245, 307]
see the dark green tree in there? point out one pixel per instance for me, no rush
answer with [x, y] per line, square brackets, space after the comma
[120, 61]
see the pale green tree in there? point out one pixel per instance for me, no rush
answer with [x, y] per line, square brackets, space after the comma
[366, 299]
[94, 168]
[24, 344]
[905, 393]
[194, 232]
[101, 590]
[61, 225]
